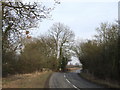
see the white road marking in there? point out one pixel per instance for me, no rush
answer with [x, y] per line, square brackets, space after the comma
[64, 75]
[74, 86]
[68, 81]
[71, 83]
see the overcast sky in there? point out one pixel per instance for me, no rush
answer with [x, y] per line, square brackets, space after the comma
[82, 17]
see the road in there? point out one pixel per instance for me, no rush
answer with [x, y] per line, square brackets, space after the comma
[70, 80]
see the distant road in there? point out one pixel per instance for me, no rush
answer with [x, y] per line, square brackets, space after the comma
[70, 80]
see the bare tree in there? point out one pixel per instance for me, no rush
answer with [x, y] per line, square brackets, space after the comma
[62, 36]
[18, 17]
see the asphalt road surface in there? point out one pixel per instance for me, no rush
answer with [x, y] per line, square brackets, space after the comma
[70, 80]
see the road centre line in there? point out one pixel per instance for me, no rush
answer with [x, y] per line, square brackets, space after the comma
[64, 75]
[74, 86]
[68, 81]
[71, 83]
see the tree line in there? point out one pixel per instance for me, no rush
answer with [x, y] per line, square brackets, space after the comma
[34, 54]
[23, 54]
[100, 56]
[46, 52]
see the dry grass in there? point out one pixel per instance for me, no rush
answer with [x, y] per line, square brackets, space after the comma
[106, 83]
[73, 69]
[32, 80]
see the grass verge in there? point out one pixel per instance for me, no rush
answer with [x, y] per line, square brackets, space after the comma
[106, 83]
[32, 80]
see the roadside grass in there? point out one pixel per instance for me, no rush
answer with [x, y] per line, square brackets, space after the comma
[31, 80]
[106, 83]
